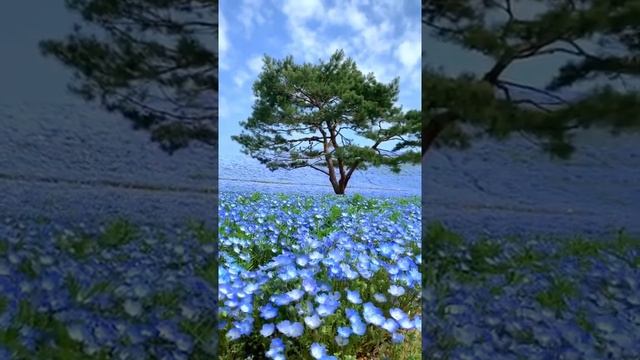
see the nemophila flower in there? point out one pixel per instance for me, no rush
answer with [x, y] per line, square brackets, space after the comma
[267, 330]
[316, 256]
[354, 297]
[281, 299]
[276, 349]
[268, 311]
[246, 306]
[318, 351]
[379, 297]
[78, 332]
[290, 329]
[309, 285]
[358, 327]
[397, 338]
[373, 315]
[251, 288]
[351, 313]
[295, 294]
[313, 321]
[397, 314]
[349, 273]
[288, 273]
[327, 309]
[234, 333]
[393, 270]
[344, 256]
[328, 303]
[341, 341]
[405, 263]
[390, 325]
[302, 260]
[395, 290]
[344, 331]
[406, 323]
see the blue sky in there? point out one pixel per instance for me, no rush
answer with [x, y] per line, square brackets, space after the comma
[382, 36]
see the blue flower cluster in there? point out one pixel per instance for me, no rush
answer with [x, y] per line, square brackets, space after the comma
[315, 276]
[86, 292]
[531, 298]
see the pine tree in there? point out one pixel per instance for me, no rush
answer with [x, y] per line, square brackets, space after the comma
[152, 61]
[329, 117]
[601, 36]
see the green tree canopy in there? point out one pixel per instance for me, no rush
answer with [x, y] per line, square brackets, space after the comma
[153, 61]
[600, 37]
[329, 117]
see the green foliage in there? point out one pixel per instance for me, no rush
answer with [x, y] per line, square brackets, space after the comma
[119, 232]
[555, 296]
[319, 116]
[203, 234]
[152, 61]
[459, 109]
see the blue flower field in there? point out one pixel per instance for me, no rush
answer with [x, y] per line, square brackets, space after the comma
[114, 292]
[535, 297]
[319, 277]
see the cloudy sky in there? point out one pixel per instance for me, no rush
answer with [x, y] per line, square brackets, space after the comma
[382, 36]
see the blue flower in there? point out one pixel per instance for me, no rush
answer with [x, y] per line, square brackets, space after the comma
[313, 321]
[267, 330]
[351, 313]
[358, 327]
[281, 299]
[302, 260]
[233, 334]
[288, 273]
[344, 331]
[309, 285]
[397, 338]
[290, 329]
[268, 311]
[318, 351]
[354, 297]
[406, 324]
[295, 294]
[396, 290]
[328, 304]
[417, 322]
[397, 313]
[373, 315]
[379, 297]
[341, 341]
[275, 349]
[390, 325]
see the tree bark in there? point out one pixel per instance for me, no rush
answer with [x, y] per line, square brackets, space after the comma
[342, 186]
[432, 129]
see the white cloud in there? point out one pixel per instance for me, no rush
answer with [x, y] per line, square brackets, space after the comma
[255, 64]
[223, 41]
[302, 10]
[305, 42]
[408, 53]
[377, 34]
[253, 12]
[382, 70]
[344, 13]
[378, 39]
[240, 78]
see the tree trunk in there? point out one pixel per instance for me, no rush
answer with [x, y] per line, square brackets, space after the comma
[433, 128]
[430, 133]
[341, 186]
